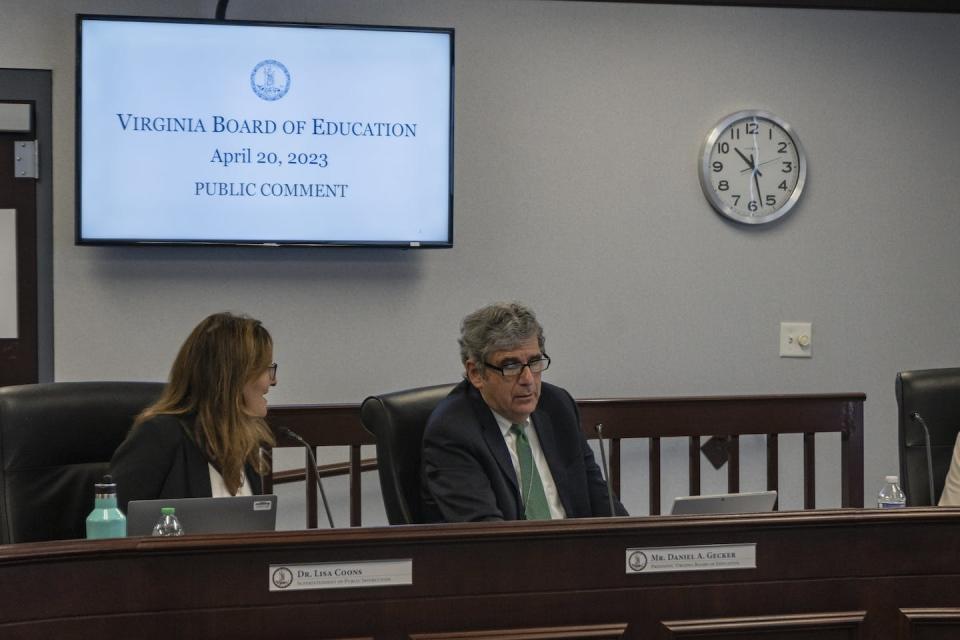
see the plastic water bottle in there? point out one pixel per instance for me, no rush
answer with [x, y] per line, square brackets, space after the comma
[106, 520]
[168, 524]
[891, 496]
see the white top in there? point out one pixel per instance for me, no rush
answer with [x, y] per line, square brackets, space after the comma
[219, 487]
[951, 488]
[557, 511]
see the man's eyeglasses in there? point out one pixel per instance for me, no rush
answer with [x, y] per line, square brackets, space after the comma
[514, 369]
[273, 372]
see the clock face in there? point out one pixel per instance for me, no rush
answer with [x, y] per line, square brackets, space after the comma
[752, 167]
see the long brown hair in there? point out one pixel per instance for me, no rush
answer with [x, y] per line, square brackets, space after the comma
[222, 354]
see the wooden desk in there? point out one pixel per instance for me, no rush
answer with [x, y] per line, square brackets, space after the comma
[824, 574]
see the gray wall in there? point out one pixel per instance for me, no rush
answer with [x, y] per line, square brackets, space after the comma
[577, 132]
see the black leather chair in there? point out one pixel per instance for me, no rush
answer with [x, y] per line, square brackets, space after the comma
[56, 441]
[934, 395]
[397, 421]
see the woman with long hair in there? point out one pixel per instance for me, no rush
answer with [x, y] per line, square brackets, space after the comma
[205, 434]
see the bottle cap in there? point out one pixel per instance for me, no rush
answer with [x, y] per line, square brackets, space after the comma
[168, 511]
[892, 479]
[106, 486]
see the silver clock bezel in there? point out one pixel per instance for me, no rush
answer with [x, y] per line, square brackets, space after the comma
[729, 211]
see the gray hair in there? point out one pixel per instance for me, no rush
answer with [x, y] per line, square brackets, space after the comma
[500, 326]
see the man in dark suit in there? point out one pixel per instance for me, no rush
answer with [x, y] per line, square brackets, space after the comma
[504, 445]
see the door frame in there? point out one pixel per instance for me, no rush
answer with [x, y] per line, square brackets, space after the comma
[35, 85]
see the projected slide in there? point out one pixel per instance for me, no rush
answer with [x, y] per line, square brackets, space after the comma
[260, 133]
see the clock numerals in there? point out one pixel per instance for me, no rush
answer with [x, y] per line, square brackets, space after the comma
[753, 168]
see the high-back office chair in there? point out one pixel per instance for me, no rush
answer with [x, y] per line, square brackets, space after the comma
[56, 441]
[934, 396]
[397, 421]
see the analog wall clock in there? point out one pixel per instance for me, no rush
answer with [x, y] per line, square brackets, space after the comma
[752, 167]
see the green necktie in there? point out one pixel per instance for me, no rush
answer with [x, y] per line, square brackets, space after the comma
[531, 487]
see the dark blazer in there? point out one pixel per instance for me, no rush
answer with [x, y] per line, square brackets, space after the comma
[160, 459]
[466, 472]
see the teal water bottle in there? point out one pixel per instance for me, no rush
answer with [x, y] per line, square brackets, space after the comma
[106, 520]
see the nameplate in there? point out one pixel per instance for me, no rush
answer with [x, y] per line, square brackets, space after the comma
[712, 557]
[340, 575]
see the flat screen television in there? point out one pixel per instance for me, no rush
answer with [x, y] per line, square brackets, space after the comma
[257, 133]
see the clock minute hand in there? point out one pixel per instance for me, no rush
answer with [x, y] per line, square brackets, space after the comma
[756, 181]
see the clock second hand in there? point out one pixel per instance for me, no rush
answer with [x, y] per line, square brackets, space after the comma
[759, 165]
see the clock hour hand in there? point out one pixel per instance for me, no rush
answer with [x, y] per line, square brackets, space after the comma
[749, 161]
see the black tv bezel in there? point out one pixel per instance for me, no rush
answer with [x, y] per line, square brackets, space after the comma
[226, 242]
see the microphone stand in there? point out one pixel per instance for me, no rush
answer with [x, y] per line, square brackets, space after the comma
[916, 417]
[606, 469]
[313, 460]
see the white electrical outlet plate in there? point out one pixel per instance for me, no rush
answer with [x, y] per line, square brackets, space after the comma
[796, 340]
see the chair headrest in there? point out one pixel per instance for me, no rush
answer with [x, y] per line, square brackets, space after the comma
[397, 420]
[55, 423]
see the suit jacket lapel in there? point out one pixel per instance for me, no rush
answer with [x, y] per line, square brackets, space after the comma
[498, 446]
[493, 437]
[195, 471]
[256, 482]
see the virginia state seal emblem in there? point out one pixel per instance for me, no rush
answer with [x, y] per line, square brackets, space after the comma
[270, 80]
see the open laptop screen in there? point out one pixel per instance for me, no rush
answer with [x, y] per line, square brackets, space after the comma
[750, 502]
[206, 515]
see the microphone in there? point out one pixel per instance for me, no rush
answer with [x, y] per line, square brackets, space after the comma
[323, 496]
[916, 417]
[606, 468]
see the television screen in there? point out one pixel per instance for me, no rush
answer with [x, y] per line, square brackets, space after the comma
[230, 132]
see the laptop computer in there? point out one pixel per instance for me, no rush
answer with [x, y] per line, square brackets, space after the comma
[749, 502]
[206, 515]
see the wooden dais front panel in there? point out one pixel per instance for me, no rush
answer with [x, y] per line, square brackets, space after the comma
[850, 573]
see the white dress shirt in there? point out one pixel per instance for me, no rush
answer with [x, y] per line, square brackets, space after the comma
[219, 487]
